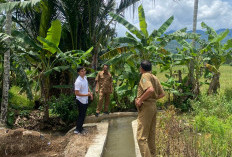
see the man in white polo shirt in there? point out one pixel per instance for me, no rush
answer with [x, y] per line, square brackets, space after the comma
[82, 92]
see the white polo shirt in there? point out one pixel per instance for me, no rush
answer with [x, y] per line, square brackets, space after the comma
[81, 84]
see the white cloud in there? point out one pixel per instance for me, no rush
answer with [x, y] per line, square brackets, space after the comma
[215, 13]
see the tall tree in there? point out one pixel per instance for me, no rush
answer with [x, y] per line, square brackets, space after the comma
[192, 83]
[8, 7]
[6, 74]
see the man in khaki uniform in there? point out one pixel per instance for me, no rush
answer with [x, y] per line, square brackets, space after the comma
[104, 87]
[149, 90]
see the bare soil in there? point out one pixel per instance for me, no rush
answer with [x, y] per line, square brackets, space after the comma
[25, 142]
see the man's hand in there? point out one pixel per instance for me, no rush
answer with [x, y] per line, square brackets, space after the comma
[96, 90]
[138, 102]
[91, 96]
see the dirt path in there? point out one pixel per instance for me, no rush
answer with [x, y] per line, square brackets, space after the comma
[28, 143]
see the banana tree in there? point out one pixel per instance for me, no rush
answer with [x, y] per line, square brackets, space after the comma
[139, 45]
[126, 77]
[139, 42]
[217, 52]
[53, 59]
[47, 58]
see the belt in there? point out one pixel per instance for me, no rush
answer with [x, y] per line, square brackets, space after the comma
[150, 100]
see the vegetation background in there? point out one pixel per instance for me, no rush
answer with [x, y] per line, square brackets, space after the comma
[42, 42]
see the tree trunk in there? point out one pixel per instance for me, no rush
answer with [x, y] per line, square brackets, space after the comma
[95, 58]
[45, 87]
[192, 83]
[6, 74]
[195, 19]
[214, 84]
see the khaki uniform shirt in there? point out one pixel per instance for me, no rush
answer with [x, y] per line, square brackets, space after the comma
[104, 82]
[149, 80]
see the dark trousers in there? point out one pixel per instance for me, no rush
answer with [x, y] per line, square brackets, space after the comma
[82, 108]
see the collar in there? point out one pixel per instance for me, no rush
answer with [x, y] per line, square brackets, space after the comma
[82, 78]
[108, 73]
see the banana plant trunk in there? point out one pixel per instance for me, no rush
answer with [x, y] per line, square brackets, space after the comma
[192, 82]
[214, 84]
[45, 88]
[196, 90]
[6, 74]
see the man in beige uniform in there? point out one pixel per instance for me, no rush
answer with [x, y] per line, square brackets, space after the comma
[104, 87]
[149, 90]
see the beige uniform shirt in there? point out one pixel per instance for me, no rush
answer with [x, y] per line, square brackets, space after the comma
[104, 82]
[149, 80]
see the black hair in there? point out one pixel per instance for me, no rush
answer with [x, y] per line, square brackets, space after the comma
[146, 65]
[79, 69]
[106, 65]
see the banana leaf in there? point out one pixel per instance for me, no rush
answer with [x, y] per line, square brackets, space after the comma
[128, 25]
[142, 21]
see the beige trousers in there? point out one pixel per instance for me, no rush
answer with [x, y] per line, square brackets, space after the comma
[103, 96]
[147, 128]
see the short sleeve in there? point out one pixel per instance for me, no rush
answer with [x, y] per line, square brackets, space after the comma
[77, 85]
[159, 87]
[145, 82]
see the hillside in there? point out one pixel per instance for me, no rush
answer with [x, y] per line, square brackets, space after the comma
[173, 45]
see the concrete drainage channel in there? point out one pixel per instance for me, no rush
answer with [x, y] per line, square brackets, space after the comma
[116, 135]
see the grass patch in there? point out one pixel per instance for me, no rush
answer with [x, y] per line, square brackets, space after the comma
[19, 101]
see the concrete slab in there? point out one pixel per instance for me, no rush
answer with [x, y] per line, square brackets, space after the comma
[134, 127]
[96, 149]
[93, 119]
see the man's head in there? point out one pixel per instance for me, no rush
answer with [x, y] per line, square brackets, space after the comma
[145, 66]
[105, 67]
[81, 71]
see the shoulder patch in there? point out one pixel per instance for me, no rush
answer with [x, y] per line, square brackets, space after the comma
[144, 80]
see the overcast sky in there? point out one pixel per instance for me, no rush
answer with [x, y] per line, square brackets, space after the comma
[215, 13]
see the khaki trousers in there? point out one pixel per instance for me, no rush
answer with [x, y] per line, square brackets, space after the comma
[103, 96]
[147, 128]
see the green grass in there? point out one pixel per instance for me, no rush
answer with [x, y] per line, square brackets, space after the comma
[19, 101]
[225, 78]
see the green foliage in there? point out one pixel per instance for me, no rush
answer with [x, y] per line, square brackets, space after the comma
[125, 72]
[8, 6]
[17, 100]
[53, 36]
[213, 123]
[216, 105]
[18, 104]
[216, 135]
[10, 117]
[65, 107]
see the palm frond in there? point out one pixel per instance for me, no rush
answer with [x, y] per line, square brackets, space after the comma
[124, 4]
[8, 6]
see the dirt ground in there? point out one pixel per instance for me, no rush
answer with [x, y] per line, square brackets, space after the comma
[25, 142]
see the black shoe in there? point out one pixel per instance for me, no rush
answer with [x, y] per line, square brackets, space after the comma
[106, 112]
[96, 114]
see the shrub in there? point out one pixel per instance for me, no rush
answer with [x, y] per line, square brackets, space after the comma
[215, 105]
[65, 107]
[19, 101]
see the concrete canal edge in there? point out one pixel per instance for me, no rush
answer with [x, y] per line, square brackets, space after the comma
[134, 128]
[97, 148]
